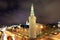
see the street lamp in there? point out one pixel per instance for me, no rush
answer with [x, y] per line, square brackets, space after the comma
[41, 26]
[41, 29]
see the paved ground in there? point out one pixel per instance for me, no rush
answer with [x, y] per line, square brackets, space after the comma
[56, 37]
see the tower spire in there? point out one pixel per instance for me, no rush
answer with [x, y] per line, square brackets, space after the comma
[32, 24]
[32, 10]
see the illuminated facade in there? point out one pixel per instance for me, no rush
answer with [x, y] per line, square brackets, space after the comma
[17, 32]
[32, 24]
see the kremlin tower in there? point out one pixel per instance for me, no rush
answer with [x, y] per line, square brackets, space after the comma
[32, 24]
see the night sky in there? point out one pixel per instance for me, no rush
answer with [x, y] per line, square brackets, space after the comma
[17, 11]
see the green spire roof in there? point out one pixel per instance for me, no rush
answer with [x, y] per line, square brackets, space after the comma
[32, 10]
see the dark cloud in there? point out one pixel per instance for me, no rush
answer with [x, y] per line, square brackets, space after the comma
[17, 11]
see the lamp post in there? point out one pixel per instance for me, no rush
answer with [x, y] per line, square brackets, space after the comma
[41, 29]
